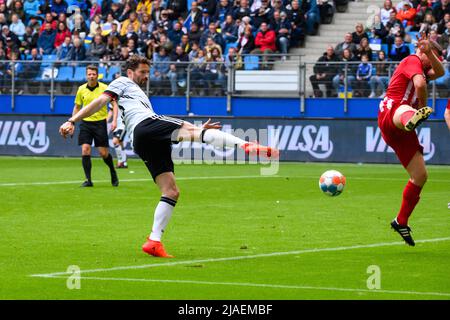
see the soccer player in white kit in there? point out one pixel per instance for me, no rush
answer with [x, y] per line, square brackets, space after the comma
[152, 136]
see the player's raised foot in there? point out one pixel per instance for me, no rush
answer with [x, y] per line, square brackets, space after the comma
[155, 248]
[114, 179]
[420, 115]
[87, 183]
[404, 232]
[121, 165]
[254, 148]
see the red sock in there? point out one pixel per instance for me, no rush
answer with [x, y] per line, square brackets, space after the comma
[404, 118]
[411, 196]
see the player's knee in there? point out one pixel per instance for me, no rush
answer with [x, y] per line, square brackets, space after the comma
[115, 142]
[420, 178]
[172, 193]
[103, 153]
[86, 150]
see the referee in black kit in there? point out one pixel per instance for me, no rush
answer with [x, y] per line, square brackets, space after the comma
[94, 128]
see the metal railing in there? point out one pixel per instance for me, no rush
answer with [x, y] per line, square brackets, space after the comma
[191, 79]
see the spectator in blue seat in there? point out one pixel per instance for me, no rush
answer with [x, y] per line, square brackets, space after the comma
[242, 10]
[198, 64]
[97, 49]
[324, 72]
[196, 14]
[363, 48]
[385, 12]
[31, 69]
[282, 28]
[185, 44]
[298, 23]
[442, 25]
[359, 33]
[29, 41]
[46, 41]
[399, 50]
[78, 52]
[57, 7]
[223, 9]
[177, 70]
[14, 67]
[31, 8]
[48, 19]
[440, 9]
[363, 75]
[17, 8]
[262, 14]
[17, 26]
[213, 34]
[338, 79]
[229, 30]
[246, 42]
[346, 44]
[215, 69]
[382, 76]
[395, 28]
[160, 66]
[6, 33]
[132, 48]
[194, 33]
[64, 51]
[378, 29]
[206, 19]
[176, 33]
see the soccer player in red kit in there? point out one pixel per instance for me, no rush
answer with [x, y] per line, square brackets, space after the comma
[402, 110]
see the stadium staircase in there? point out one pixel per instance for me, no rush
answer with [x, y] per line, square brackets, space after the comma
[315, 46]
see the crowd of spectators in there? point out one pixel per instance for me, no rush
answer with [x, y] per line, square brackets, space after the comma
[387, 39]
[165, 31]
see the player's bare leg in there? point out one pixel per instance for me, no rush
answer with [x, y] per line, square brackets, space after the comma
[407, 118]
[107, 158]
[411, 195]
[163, 212]
[220, 139]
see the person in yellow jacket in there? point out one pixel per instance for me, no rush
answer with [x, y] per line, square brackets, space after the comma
[94, 127]
[133, 20]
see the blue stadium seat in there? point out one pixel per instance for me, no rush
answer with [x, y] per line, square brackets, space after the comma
[102, 74]
[111, 72]
[251, 62]
[47, 60]
[412, 47]
[384, 47]
[80, 74]
[230, 45]
[65, 73]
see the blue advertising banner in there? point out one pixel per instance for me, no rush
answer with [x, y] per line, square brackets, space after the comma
[297, 139]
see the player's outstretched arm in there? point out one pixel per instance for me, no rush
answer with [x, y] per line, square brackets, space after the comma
[68, 127]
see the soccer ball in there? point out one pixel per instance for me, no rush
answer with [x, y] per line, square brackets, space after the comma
[332, 183]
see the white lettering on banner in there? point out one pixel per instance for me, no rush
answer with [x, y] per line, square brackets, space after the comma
[315, 141]
[375, 142]
[27, 134]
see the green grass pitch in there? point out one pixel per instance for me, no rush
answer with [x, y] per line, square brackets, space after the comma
[235, 234]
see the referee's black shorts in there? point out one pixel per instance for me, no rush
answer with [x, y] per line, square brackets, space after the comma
[152, 142]
[93, 131]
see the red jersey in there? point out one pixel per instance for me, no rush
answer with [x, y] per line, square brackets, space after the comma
[401, 88]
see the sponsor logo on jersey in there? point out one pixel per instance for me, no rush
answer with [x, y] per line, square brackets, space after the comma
[312, 139]
[375, 142]
[28, 134]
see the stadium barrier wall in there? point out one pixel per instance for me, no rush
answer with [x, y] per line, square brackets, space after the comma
[217, 106]
[322, 140]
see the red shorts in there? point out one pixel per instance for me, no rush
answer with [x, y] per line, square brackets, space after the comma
[405, 144]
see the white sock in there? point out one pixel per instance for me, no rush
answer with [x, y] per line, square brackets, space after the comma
[119, 152]
[163, 212]
[221, 139]
[124, 155]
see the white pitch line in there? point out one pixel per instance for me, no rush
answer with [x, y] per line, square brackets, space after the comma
[18, 184]
[262, 285]
[132, 180]
[255, 256]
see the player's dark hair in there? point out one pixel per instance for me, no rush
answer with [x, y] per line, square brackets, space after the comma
[92, 67]
[134, 61]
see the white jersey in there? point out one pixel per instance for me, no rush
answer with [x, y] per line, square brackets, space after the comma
[133, 103]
